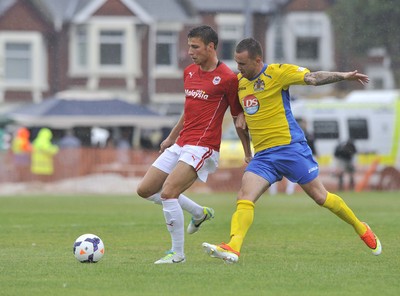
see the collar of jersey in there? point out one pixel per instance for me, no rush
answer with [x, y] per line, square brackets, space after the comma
[262, 70]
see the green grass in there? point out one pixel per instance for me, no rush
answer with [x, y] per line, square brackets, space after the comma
[293, 248]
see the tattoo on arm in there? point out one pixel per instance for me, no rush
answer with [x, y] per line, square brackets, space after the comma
[322, 77]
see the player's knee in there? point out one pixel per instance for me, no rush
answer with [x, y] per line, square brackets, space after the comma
[320, 197]
[320, 201]
[143, 192]
[169, 192]
[245, 195]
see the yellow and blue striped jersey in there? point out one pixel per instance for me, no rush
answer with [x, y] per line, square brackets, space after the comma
[266, 103]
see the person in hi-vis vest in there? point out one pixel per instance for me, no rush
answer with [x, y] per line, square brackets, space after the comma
[21, 149]
[43, 151]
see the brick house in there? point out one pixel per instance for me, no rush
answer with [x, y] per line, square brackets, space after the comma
[86, 47]
[136, 49]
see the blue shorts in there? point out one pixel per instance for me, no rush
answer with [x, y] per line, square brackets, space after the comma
[294, 161]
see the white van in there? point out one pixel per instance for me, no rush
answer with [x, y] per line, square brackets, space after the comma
[370, 118]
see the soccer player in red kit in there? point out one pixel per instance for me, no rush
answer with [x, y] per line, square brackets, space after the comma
[191, 150]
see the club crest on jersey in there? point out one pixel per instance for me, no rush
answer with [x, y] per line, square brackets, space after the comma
[216, 80]
[250, 104]
[259, 85]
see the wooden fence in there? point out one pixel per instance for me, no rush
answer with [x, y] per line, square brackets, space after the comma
[71, 163]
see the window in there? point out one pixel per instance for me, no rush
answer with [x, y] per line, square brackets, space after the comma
[326, 129]
[18, 65]
[229, 37]
[230, 32]
[307, 48]
[105, 47]
[301, 38]
[358, 129]
[166, 52]
[23, 63]
[227, 49]
[111, 47]
[377, 83]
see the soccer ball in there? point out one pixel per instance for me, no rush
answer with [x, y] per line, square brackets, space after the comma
[88, 248]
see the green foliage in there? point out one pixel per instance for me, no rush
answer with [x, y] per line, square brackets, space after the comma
[293, 248]
[363, 24]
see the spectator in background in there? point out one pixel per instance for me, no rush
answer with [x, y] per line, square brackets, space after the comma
[344, 157]
[124, 146]
[21, 148]
[69, 140]
[2, 140]
[70, 149]
[43, 151]
[290, 187]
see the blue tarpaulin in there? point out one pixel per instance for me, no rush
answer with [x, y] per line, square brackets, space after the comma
[63, 113]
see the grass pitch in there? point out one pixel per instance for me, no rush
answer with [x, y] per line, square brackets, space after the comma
[293, 248]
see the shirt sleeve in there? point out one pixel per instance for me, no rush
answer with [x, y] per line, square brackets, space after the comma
[291, 75]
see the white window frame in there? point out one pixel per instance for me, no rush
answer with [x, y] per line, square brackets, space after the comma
[302, 24]
[230, 28]
[38, 61]
[131, 62]
[168, 71]
[80, 42]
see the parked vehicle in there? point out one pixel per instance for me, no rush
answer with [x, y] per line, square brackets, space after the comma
[370, 118]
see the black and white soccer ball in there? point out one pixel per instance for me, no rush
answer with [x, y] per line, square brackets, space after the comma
[88, 248]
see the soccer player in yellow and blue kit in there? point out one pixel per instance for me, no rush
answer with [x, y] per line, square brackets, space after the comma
[279, 144]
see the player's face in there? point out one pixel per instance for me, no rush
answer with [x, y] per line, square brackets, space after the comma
[248, 67]
[198, 51]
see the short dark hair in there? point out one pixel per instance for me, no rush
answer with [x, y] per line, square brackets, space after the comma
[252, 46]
[205, 33]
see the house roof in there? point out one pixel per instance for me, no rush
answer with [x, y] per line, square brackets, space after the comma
[94, 5]
[260, 6]
[166, 10]
[61, 11]
[65, 113]
[64, 11]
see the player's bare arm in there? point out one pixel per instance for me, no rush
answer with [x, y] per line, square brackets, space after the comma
[324, 77]
[173, 135]
[240, 121]
[244, 136]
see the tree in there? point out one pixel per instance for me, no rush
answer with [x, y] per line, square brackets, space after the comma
[363, 24]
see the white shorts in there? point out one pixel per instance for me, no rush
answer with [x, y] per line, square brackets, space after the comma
[203, 159]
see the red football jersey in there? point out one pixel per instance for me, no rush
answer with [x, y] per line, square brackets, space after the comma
[208, 95]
